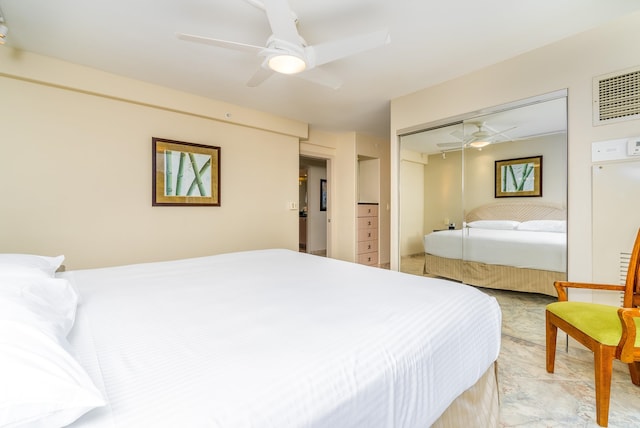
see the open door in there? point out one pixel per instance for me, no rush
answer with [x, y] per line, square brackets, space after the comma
[314, 206]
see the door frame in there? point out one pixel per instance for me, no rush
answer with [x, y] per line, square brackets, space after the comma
[330, 186]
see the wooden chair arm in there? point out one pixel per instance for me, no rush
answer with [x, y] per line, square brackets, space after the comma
[627, 343]
[561, 287]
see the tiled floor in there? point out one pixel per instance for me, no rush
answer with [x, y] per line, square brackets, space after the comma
[531, 397]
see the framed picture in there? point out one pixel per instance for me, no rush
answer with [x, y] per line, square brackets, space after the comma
[518, 177]
[323, 194]
[185, 174]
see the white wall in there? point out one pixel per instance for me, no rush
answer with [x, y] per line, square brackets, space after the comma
[76, 168]
[570, 64]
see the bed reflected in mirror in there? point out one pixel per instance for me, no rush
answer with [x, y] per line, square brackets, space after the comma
[483, 199]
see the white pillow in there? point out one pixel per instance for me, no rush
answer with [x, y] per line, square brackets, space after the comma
[42, 384]
[559, 226]
[29, 265]
[48, 304]
[494, 224]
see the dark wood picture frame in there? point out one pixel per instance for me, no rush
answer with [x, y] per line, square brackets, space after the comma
[520, 177]
[185, 174]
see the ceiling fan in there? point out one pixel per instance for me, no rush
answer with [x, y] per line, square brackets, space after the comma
[478, 139]
[287, 52]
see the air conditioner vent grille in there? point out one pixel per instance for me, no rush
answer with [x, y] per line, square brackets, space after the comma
[617, 97]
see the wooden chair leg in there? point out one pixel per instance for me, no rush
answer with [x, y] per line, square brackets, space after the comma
[603, 356]
[634, 371]
[552, 334]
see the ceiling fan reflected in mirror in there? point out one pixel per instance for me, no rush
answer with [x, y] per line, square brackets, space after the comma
[484, 136]
[286, 52]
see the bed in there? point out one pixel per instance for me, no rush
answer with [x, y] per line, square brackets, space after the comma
[266, 338]
[511, 246]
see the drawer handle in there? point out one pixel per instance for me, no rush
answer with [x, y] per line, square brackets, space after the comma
[369, 247]
[368, 259]
[369, 235]
[368, 223]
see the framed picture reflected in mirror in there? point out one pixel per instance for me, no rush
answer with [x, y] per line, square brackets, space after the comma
[518, 177]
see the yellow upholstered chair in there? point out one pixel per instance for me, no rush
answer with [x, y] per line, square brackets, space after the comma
[608, 331]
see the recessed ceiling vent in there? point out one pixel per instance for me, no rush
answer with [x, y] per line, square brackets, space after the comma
[616, 96]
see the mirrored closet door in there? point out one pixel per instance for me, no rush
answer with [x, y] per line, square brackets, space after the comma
[483, 198]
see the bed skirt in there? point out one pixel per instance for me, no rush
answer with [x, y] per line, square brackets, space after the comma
[494, 276]
[477, 407]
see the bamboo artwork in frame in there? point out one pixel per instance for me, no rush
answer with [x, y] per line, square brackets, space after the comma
[518, 177]
[185, 174]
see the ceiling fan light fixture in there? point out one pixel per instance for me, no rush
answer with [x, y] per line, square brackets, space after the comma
[287, 64]
[3, 32]
[479, 144]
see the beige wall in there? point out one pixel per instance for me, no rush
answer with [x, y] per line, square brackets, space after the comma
[570, 64]
[76, 168]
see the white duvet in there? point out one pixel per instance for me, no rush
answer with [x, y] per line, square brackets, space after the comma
[276, 338]
[518, 248]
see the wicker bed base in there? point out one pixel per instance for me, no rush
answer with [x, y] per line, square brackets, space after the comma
[477, 407]
[493, 276]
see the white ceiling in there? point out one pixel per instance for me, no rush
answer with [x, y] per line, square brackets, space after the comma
[431, 42]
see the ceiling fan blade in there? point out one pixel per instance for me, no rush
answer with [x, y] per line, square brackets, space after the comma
[458, 134]
[281, 20]
[450, 145]
[324, 53]
[502, 132]
[260, 76]
[539, 135]
[320, 77]
[220, 43]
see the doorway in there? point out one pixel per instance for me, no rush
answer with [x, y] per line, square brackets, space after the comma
[313, 203]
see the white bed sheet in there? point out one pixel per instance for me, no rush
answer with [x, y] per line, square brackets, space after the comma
[517, 248]
[276, 338]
